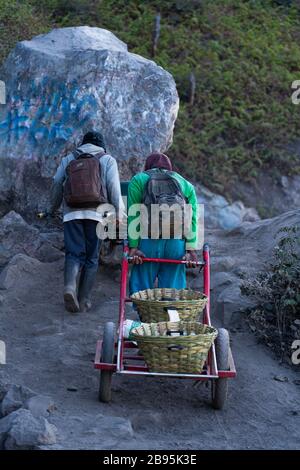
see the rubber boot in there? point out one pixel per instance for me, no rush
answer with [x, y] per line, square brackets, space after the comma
[87, 280]
[70, 290]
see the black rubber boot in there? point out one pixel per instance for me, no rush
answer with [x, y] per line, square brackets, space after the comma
[72, 269]
[87, 280]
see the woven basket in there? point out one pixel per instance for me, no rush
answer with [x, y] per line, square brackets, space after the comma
[152, 304]
[175, 354]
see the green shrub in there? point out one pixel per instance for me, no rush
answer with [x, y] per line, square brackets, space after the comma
[18, 21]
[278, 289]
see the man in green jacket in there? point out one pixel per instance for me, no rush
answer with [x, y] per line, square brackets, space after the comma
[144, 275]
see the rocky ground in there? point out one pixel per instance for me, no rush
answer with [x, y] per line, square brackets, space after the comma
[50, 354]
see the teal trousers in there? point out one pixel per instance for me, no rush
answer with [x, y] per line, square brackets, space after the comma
[143, 276]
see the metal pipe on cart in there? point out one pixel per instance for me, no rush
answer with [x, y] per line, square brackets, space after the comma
[206, 313]
[124, 274]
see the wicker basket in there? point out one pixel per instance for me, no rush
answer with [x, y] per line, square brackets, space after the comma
[175, 354]
[152, 304]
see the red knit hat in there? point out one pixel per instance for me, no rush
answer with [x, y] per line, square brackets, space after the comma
[158, 160]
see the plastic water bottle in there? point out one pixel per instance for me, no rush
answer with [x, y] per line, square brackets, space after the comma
[128, 326]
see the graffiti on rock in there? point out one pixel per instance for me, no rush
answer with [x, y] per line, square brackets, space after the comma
[48, 111]
[2, 92]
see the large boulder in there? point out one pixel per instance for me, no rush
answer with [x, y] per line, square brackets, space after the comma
[64, 83]
[20, 430]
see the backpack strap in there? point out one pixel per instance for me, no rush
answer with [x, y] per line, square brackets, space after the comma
[78, 152]
[152, 171]
[160, 171]
[100, 154]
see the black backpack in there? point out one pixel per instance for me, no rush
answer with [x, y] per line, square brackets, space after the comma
[163, 189]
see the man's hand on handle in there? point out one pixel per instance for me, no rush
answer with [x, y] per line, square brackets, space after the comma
[136, 255]
[191, 258]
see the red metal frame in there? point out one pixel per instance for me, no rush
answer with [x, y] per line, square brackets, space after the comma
[122, 367]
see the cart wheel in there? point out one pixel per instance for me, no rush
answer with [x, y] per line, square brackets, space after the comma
[107, 355]
[220, 386]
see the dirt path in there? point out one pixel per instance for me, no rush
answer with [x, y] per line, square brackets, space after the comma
[49, 351]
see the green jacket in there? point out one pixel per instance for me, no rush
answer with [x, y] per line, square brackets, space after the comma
[135, 196]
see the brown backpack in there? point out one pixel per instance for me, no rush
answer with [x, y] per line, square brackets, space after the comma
[83, 186]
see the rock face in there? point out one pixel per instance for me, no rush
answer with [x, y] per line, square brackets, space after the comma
[219, 213]
[271, 196]
[19, 237]
[64, 83]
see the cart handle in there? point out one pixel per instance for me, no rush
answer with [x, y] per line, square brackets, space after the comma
[171, 261]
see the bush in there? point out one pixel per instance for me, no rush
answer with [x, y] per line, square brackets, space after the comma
[18, 21]
[278, 291]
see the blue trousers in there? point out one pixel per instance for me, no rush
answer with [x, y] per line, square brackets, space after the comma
[144, 275]
[81, 243]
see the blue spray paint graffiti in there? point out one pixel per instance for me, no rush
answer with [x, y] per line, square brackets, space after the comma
[48, 112]
[2, 93]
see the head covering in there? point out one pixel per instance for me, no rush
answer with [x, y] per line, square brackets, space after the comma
[95, 138]
[158, 160]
